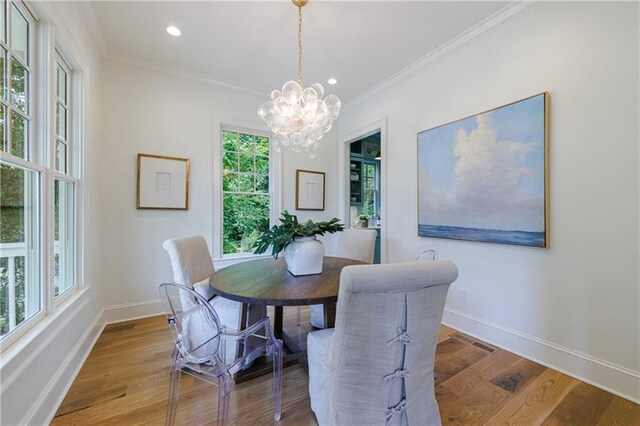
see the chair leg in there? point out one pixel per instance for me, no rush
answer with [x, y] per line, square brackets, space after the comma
[224, 396]
[174, 389]
[298, 322]
[277, 379]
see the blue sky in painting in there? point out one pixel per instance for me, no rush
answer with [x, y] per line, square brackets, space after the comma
[518, 129]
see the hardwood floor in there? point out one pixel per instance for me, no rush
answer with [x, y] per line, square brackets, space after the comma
[125, 380]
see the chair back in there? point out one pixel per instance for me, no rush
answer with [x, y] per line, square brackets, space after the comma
[428, 255]
[357, 244]
[191, 263]
[194, 324]
[382, 352]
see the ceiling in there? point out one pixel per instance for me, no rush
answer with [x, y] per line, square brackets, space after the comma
[253, 44]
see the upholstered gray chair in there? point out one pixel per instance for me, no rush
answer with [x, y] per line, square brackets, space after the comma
[355, 243]
[376, 366]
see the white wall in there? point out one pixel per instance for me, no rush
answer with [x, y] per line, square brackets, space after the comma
[574, 306]
[153, 111]
[38, 368]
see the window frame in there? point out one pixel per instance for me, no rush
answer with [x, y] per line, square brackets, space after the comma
[275, 172]
[33, 160]
[61, 53]
[58, 59]
[46, 45]
[31, 154]
[376, 184]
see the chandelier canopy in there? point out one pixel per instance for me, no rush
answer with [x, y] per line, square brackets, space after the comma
[298, 116]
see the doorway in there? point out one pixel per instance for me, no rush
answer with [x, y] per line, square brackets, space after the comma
[364, 174]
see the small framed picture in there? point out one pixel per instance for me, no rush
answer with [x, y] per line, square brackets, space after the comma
[163, 183]
[309, 190]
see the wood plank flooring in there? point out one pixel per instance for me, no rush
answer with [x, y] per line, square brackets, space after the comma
[125, 380]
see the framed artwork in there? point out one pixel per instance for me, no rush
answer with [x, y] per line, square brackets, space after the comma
[486, 177]
[309, 190]
[162, 183]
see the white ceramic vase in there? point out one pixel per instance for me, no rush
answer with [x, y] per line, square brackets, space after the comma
[304, 256]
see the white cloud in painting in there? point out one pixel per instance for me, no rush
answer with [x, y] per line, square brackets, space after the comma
[486, 192]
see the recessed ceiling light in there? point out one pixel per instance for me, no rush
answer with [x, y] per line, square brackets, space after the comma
[174, 31]
[332, 81]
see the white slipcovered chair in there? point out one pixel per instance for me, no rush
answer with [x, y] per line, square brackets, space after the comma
[376, 366]
[358, 244]
[192, 267]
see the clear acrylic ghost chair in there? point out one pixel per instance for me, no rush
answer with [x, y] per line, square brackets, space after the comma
[192, 266]
[428, 255]
[200, 342]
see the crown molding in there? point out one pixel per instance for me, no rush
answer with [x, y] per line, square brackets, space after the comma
[164, 69]
[93, 26]
[469, 37]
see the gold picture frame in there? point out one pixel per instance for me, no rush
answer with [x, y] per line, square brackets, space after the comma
[310, 190]
[524, 122]
[162, 182]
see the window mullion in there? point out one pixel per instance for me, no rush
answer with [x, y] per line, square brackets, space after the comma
[42, 135]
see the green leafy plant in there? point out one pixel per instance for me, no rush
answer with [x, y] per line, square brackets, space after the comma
[279, 236]
[363, 217]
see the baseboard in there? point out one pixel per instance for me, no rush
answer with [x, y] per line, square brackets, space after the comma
[53, 395]
[132, 311]
[613, 378]
[49, 400]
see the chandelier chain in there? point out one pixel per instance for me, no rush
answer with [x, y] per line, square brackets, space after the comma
[299, 44]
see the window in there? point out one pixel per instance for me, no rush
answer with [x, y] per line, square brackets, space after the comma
[63, 184]
[20, 296]
[370, 203]
[20, 175]
[246, 196]
[61, 94]
[39, 179]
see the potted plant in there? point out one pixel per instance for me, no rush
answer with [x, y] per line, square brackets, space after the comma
[302, 251]
[363, 221]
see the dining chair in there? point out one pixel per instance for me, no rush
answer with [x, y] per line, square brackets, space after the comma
[191, 263]
[192, 267]
[358, 244]
[376, 366]
[428, 255]
[200, 340]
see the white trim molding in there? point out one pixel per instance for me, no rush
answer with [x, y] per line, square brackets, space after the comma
[343, 165]
[275, 182]
[191, 75]
[132, 311]
[35, 400]
[613, 378]
[469, 37]
[53, 394]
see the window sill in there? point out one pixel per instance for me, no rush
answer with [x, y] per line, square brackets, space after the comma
[13, 345]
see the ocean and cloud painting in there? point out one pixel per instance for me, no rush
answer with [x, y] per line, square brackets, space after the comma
[482, 178]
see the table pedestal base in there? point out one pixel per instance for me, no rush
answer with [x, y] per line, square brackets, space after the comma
[295, 352]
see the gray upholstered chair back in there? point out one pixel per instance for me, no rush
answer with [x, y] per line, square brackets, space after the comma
[383, 349]
[358, 244]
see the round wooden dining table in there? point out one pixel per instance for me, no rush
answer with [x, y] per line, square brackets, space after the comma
[267, 282]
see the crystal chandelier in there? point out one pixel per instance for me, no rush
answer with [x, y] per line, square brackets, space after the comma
[299, 116]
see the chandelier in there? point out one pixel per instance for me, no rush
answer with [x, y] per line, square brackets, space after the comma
[299, 116]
